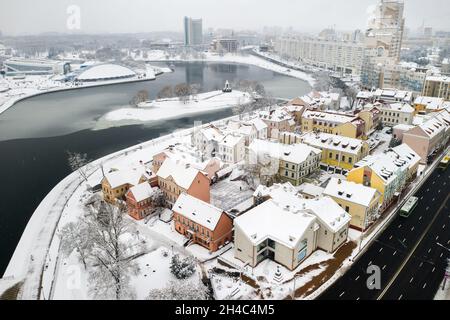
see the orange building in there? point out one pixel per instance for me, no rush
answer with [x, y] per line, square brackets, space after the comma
[175, 179]
[141, 200]
[202, 223]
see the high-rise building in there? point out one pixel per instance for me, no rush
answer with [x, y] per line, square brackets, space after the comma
[383, 41]
[193, 31]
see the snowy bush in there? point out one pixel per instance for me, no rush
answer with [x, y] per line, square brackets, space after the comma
[180, 290]
[182, 268]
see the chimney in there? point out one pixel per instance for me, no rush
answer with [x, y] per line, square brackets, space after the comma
[339, 181]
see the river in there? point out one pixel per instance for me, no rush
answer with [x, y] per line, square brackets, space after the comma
[36, 133]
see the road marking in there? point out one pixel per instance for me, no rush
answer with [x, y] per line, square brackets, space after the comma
[427, 208]
[410, 281]
[370, 263]
[412, 228]
[443, 227]
[395, 252]
[384, 267]
[391, 235]
[400, 225]
[357, 278]
[424, 286]
[421, 198]
[433, 199]
[420, 218]
[439, 191]
[401, 296]
[437, 237]
[428, 189]
[434, 268]
[441, 255]
[420, 265]
[381, 249]
[429, 250]
[434, 181]
[341, 294]
[413, 250]
[357, 299]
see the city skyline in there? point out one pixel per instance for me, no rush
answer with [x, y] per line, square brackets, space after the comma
[17, 18]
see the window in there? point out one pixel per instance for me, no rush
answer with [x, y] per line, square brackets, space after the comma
[350, 160]
[331, 155]
[347, 209]
[337, 156]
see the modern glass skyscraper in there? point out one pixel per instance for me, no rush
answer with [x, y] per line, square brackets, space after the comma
[193, 31]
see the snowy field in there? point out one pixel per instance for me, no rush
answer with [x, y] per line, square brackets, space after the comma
[173, 108]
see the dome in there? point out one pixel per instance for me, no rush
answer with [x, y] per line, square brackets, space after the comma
[106, 72]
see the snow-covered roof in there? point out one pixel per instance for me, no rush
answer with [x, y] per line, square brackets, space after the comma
[310, 189]
[271, 221]
[438, 78]
[180, 154]
[295, 153]
[198, 211]
[276, 115]
[182, 174]
[403, 127]
[332, 142]
[122, 177]
[431, 103]
[211, 133]
[106, 71]
[406, 152]
[401, 107]
[258, 123]
[350, 191]
[231, 140]
[142, 191]
[327, 116]
[387, 165]
[436, 124]
[324, 208]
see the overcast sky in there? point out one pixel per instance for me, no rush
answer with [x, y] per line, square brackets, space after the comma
[100, 16]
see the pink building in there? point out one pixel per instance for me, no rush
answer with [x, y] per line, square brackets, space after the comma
[430, 136]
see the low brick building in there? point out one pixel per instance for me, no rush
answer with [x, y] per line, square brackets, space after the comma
[202, 222]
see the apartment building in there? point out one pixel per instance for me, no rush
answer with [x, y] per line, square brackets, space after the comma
[293, 163]
[338, 153]
[359, 201]
[175, 179]
[437, 86]
[202, 223]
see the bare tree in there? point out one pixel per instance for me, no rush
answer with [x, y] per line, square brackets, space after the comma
[166, 92]
[112, 253]
[141, 96]
[75, 236]
[157, 198]
[78, 162]
[183, 92]
[181, 290]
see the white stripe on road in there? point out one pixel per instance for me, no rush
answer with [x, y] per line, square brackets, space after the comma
[341, 294]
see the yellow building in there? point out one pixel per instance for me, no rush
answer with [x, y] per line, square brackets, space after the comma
[359, 201]
[424, 105]
[338, 152]
[388, 172]
[117, 183]
[334, 123]
[371, 117]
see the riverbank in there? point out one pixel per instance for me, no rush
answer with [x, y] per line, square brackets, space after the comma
[160, 56]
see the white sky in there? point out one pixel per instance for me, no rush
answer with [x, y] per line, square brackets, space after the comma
[100, 16]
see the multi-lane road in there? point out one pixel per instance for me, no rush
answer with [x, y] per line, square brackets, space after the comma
[408, 251]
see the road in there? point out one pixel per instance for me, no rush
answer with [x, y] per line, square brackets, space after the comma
[411, 262]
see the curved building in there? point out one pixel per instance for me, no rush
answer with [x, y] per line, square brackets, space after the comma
[104, 72]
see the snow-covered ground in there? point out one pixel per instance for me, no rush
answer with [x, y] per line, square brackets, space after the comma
[160, 55]
[14, 90]
[172, 108]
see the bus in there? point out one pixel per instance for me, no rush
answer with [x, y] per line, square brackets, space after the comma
[444, 162]
[408, 207]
